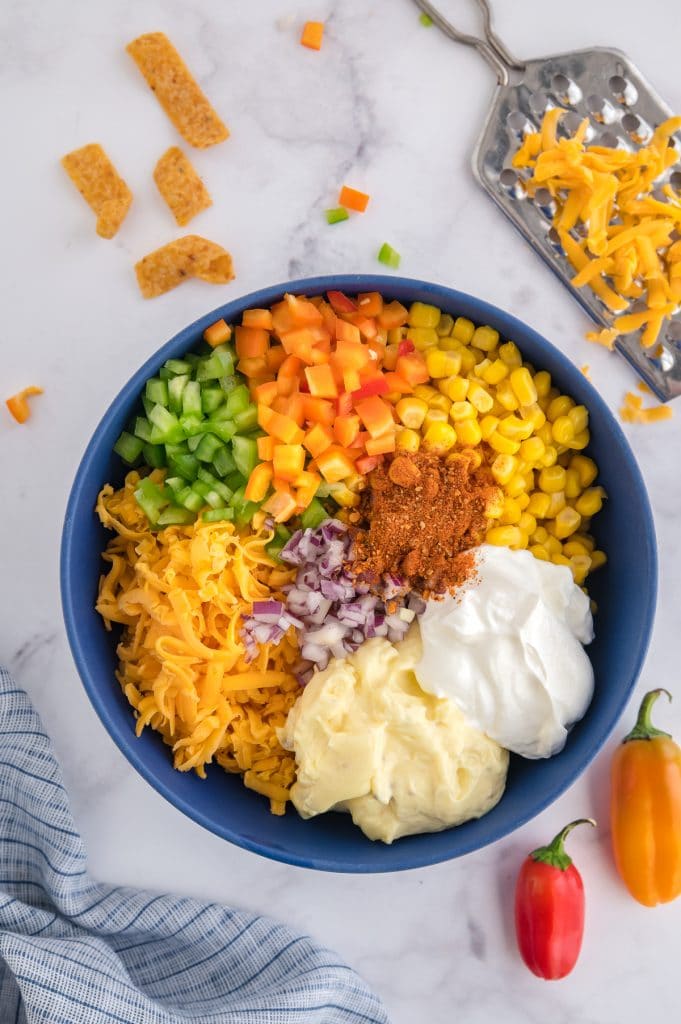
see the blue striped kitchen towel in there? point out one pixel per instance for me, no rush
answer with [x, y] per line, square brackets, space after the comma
[74, 951]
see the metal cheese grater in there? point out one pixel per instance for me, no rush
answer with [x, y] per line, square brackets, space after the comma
[623, 108]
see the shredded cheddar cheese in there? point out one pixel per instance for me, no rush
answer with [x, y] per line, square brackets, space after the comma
[629, 251]
[633, 412]
[179, 595]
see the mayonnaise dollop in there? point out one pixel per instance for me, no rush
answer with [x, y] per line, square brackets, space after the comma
[368, 740]
[507, 649]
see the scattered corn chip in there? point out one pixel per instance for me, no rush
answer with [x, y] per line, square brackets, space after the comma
[180, 186]
[177, 91]
[100, 185]
[190, 256]
[633, 412]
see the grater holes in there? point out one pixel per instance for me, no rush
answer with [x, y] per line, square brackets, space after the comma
[675, 180]
[570, 122]
[637, 129]
[510, 183]
[609, 139]
[601, 109]
[538, 102]
[674, 333]
[623, 90]
[566, 91]
[519, 124]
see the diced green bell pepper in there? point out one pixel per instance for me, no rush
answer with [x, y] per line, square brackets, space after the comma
[224, 463]
[179, 367]
[157, 391]
[211, 398]
[150, 499]
[191, 399]
[238, 400]
[176, 388]
[207, 448]
[245, 452]
[247, 419]
[217, 515]
[143, 429]
[314, 514]
[175, 516]
[154, 455]
[167, 428]
[129, 447]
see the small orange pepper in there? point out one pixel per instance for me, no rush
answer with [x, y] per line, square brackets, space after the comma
[645, 810]
[18, 405]
[313, 33]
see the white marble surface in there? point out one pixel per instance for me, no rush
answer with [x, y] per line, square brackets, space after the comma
[393, 108]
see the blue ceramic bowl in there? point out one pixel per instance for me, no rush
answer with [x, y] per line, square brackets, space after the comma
[625, 591]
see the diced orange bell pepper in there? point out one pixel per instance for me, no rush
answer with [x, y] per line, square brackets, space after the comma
[291, 367]
[259, 318]
[351, 380]
[306, 487]
[307, 479]
[299, 342]
[266, 393]
[259, 482]
[397, 384]
[291, 406]
[376, 415]
[341, 303]
[353, 199]
[321, 381]
[266, 448]
[282, 427]
[18, 406]
[318, 410]
[318, 439]
[303, 312]
[370, 303]
[313, 34]
[394, 314]
[346, 429]
[289, 461]
[390, 357]
[329, 317]
[412, 368]
[251, 342]
[360, 442]
[346, 331]
[282, 318]
[275, 358]
[281, 506]
[381, 445]
[281, 485]
[366, 463]
[217, 334]
[367, 327]
[335, 464]
[255, 366]
[350, 355]
[344, 403]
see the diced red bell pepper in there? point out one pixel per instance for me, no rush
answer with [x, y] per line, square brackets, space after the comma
[376, 386]
[366, 463]
[405, 347]
[340, 302]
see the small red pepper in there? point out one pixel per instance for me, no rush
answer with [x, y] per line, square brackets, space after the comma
[340, 303]
[549, 908]
[406, 347]
[375, 386]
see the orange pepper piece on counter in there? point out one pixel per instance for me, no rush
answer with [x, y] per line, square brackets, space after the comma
[18, 404]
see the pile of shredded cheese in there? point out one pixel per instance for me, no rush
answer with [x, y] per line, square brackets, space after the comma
[629, 252]
[179, 595]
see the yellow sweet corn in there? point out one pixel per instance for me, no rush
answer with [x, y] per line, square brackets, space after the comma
[559, 406]
[425, 392]
[423, 315]
[515, 428]
[480, 397]
[587, 469]
[411, 411]
[440, 402]
[506, 396]
[511, 513]
[422, 337]
[556, 504]
[442, 364]
[517, 486]
[444, 325]
[462, 411]
[532, 450]
[503, 468]
[540, 552]
[407, 440]
[502, 444]
[488, 424]
[539, 504]
[590, 502]
[573, 487]
[550, 456]
[579, 417]
[469, 432]
[527, 523]
[510, 354]
[496, 372]
[563, 430]
[552, 479]
[463, 330]
[504, 536]
[542, 383]
[580, 440]
[567, 521]
[598, 559]
[523, 386]
[439, 437]
[434, 416]
[485, 338]
[455, 388]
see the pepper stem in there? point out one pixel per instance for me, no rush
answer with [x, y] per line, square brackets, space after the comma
[554, 854]
[644, 728]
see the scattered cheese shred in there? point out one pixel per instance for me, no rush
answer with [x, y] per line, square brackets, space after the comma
[629, 250]
[633, 412]
[586, 370]
[179, 595]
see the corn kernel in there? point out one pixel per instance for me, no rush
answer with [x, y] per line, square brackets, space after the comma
[462, 411]
[598, 559]
[534, 414]
[587, 469]
[562, 430]
[516, 429]
[544, 433]
[524, 540]
[550, 456]
[502, 444]
[559, 406]
[422, 337]
[442, 364]
[469, 432]
[560, 559]
[567, 521]
[583, 538]
[590, 502]
[523, 501]
[575, 547]
[467, 361]
[552, 479]
[345, 497]
[556, 504]
[425, 392]
[488, 424]
[527, 523]
[532, 450]
[449, 344]
[542, 383]
[439, 437]
[523, 386]
[504, 536]
[573, 488]
[481, 367]
[579, 417]
[503, 468]
[479, 397]
[581, 564]
[580, 440]
[495, 372]
[463, 329]
[455, 388]
[440, 402]
[407, 440]
[486, 338]
[540, 552]
[411, 411]
[539, 504]
[445, 324]
[423, 315]
[552, 545]
[516, 485]
[506, 396]
[511, 513]
[510, 354]
[474, 455]
[434, 416]
[495, 505]
[540, 535]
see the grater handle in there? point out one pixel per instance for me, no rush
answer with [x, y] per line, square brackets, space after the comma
[491, 47]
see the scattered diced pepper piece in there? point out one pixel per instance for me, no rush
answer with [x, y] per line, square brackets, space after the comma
[336, 215]
[18, 404]
[353, 199]
[394, 315]
[312, 35]
[375, 386]
[389, 256]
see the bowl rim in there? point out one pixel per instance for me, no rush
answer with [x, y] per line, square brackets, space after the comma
[264, 297]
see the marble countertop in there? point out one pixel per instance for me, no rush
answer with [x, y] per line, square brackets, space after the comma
[395, 109]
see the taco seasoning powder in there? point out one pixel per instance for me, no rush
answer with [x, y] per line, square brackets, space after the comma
[422, 514]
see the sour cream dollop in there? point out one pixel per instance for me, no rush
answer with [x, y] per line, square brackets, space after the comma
[507, 649]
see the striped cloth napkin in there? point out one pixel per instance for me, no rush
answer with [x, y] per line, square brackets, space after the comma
[74, 951]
